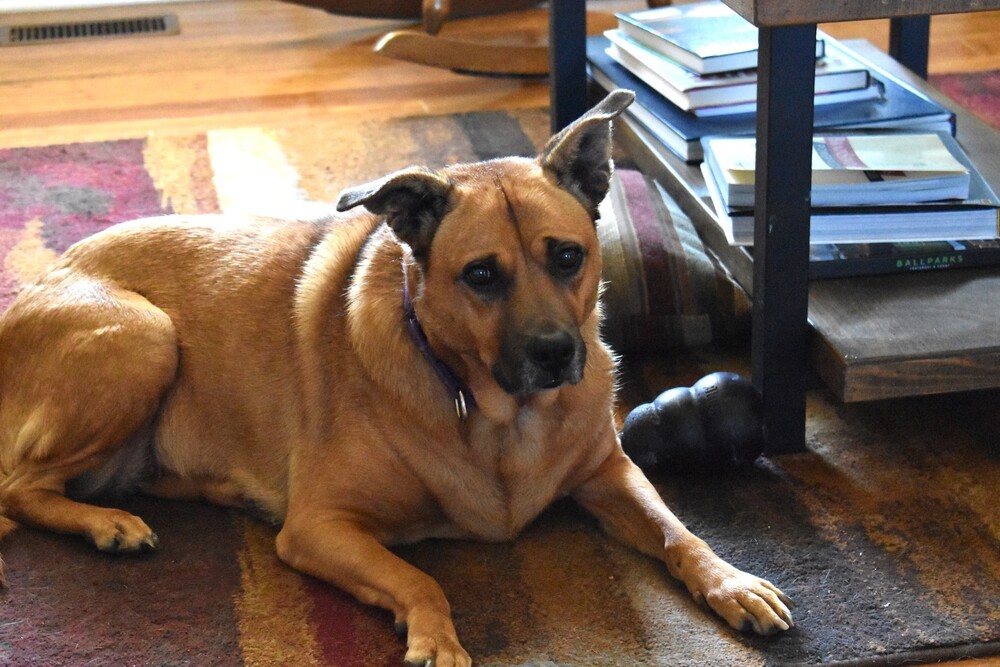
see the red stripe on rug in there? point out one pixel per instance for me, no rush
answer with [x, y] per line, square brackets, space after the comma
[77, 189]
[349, 633]
[978, 92]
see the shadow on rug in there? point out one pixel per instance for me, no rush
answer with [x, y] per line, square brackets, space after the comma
[886, 533]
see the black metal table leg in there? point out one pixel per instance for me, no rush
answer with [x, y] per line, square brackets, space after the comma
[567, 61]
[786, 73]
[909, 39]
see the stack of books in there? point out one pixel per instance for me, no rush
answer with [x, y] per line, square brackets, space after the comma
[692, 68]
[680, 62]
[702, 57]
[866, 188]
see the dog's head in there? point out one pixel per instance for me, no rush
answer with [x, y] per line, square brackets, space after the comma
[508, 252]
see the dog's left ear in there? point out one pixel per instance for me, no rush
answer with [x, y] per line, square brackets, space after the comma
[413, 202]
[580, 155]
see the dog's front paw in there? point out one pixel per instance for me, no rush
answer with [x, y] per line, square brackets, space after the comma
[747, 602]
[431, 642]
[116, 531]
[436, 652]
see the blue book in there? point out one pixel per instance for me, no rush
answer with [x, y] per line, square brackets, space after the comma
[899, 107]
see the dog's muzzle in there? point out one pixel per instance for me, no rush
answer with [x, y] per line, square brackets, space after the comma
[543, 360]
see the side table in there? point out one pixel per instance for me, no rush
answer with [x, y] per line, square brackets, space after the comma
[779, 351]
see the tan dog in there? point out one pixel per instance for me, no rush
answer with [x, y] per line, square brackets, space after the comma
[270, 362]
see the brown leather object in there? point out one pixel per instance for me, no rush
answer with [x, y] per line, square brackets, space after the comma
[432, 12]
[523, 54]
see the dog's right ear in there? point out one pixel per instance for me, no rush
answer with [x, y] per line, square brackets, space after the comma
[413, 202]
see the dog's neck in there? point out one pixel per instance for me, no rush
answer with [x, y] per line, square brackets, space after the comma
[459, 391]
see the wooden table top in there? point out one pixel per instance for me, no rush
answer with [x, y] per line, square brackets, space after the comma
[772, 13]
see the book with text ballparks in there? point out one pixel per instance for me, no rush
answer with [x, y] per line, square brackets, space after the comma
[933, 173]
[900, 106]
[852, 169]
[706, 37]
[839, 78]
[845, 260]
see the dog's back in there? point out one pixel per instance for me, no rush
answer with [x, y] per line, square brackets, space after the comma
[159, 326]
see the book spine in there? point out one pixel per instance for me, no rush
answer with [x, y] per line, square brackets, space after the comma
[869, 266]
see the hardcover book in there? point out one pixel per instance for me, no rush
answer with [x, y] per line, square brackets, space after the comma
[839, 78]
[842, 260]
[898, 107]
[706, 37]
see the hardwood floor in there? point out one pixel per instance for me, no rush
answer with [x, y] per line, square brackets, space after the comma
[959, 42]
[263, 62]
[235, 63]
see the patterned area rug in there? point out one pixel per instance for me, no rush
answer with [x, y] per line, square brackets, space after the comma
[886, 533]
[978, 92]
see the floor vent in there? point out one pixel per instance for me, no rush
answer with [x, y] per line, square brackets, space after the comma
[17, 35]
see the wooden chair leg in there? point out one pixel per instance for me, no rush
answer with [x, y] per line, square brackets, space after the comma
[435, 13]
[418, 47]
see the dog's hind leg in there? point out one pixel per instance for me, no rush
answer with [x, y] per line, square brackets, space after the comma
[84, 366]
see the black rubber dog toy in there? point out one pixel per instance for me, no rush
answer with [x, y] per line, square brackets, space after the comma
[716, 424]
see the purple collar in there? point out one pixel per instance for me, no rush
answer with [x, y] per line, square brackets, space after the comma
[460, 393]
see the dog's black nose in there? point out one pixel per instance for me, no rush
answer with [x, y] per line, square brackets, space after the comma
[552, 352]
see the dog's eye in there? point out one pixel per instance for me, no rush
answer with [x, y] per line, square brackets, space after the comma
[479, 275]
[565, 260]
[483, 276]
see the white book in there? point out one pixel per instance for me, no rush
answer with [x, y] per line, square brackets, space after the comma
[852, 169]
[975, 218]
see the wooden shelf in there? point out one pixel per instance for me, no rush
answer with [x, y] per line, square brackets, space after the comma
[766, 13]
[881, 336]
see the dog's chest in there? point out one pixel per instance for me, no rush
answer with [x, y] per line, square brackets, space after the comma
[509, 475]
